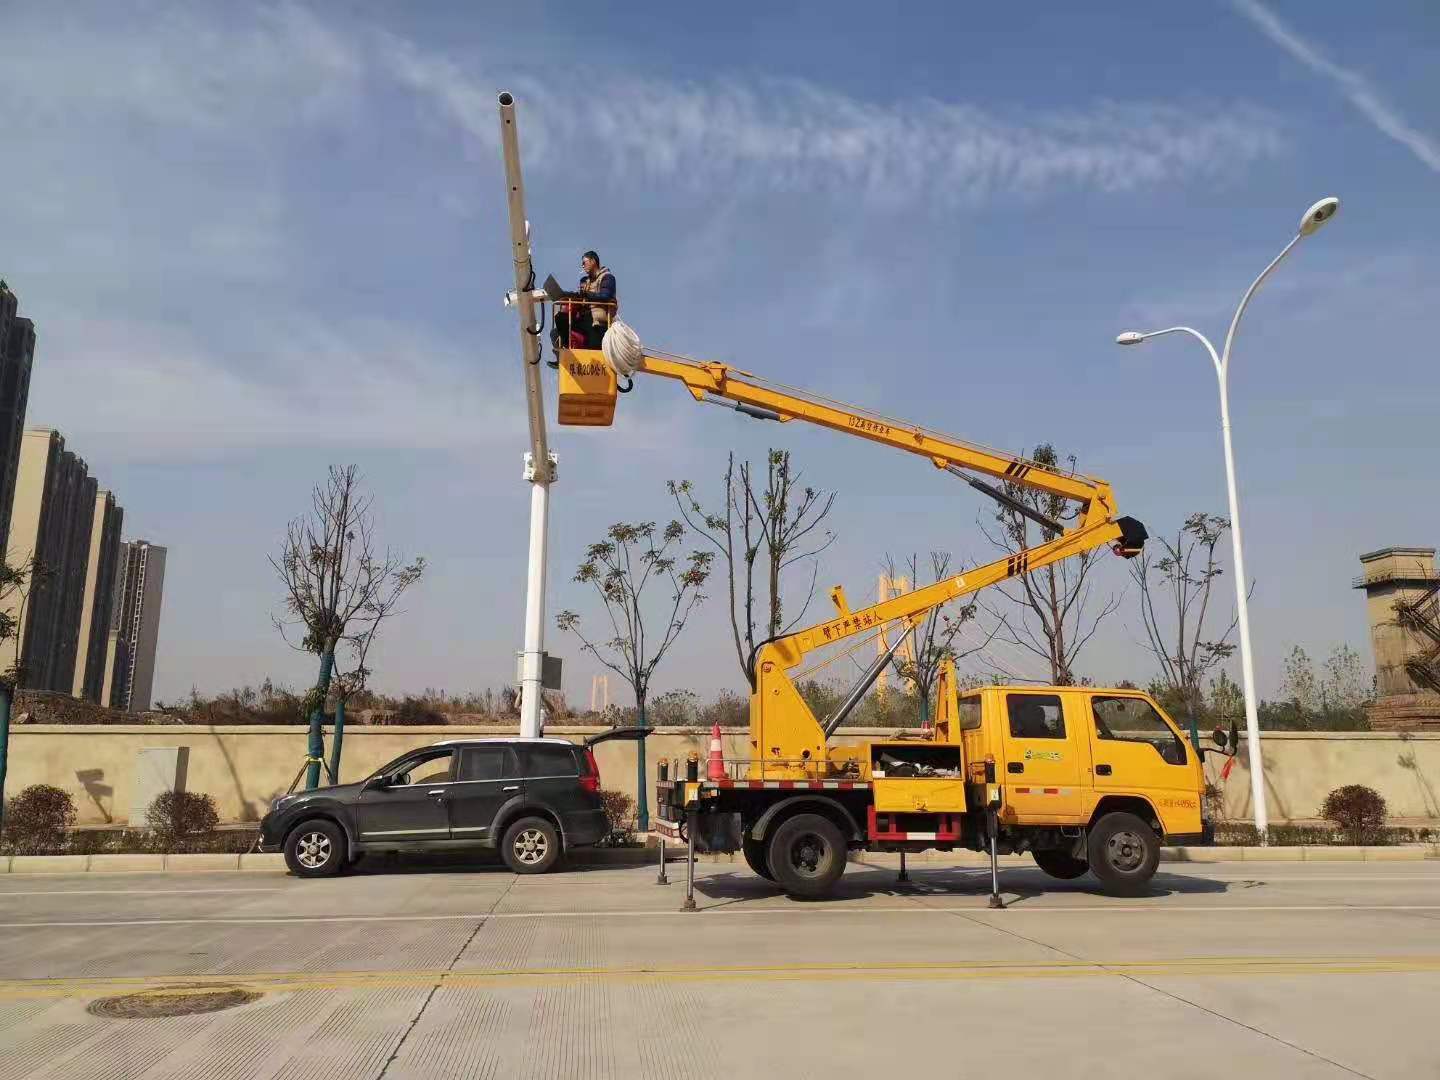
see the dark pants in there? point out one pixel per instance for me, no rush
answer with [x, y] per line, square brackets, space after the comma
[577, 327]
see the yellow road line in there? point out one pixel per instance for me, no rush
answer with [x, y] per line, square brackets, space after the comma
[16, 989]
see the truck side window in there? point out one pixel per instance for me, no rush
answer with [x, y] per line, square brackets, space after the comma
[1035, 716]
[969, 713]
[1128, 719]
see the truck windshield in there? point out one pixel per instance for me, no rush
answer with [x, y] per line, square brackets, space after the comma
[1128, 719]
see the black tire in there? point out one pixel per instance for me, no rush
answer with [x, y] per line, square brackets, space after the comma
[316, 848]
[806, 855]
[755, 857]
[1124, 852]
[1060, 864]
[531, 846]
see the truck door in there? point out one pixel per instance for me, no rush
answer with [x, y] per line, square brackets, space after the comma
[1042, 764]
[1136, 752]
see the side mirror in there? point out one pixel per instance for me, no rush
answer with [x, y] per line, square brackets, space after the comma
[1220, 738]
[374, 782]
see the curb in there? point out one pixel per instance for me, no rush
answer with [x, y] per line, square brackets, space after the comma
[647, 856]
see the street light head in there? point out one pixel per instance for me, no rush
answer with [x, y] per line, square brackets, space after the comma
[1318, 214]
[1129, 337]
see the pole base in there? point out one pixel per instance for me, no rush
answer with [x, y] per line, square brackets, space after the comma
[995, 901]
[689, 904]
[662, 879]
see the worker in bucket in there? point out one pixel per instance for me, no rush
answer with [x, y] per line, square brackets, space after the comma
[583, 325]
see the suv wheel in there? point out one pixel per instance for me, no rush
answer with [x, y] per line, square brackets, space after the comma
[315, 848]
[531, 846]
[1124, 852]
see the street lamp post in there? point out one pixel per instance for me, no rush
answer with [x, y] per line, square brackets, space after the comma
[1314, 217]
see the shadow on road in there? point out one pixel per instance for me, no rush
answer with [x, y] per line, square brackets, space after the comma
[1017, 884]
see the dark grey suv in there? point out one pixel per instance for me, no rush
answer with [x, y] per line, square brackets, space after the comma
[533, 799]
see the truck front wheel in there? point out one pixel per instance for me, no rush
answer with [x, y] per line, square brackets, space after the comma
[806, 854]
[1124, 852]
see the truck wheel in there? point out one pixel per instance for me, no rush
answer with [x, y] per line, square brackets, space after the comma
[1060, 864]
[755, 857]
[806, 855]
[1124, 852]
[315, 848]
[531, 846]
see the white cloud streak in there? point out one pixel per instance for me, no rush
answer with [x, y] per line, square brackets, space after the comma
[792, 135]
[1356, 88]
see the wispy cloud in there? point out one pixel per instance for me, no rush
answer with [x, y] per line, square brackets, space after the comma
[791, 134]
[1356, 88]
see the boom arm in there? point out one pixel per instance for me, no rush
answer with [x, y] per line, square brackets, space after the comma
[756, 397]
[787, 740]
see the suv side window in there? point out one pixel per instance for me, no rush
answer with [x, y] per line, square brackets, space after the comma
[1127, 719]
[486, 763]
[433, 768]
[548, 761]
[1035, 716]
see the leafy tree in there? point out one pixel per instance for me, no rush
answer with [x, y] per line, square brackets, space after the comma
[338, 589]
[1298, 684]
[620, 568]
[1345, 683]
[767, 530]
[16, 584]
[1175, 593]
[1052, 612]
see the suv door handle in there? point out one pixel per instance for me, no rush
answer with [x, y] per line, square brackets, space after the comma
[1102, 770]
[512, 787]
[437, 791]
[1015, 766]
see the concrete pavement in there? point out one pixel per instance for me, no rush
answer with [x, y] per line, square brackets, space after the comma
[1286, 970]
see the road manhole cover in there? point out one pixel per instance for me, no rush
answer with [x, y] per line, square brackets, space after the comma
[172, 1001]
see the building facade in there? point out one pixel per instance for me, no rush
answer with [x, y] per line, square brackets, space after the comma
[139, 587]
[1402, 600]
[50, 525]
[98, 600]
[17, 357]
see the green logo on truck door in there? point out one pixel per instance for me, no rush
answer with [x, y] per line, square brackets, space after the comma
[1044, 755]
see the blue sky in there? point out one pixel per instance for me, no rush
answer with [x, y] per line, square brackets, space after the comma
[258, 239]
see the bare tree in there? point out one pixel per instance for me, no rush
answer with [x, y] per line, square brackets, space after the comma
[1175, 586]
[1052, 612]
[621, 567]
[338, 589]
[933, 639]
[16, 584]
[763, 531]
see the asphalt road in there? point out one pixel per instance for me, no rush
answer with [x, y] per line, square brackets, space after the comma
[1290, 970]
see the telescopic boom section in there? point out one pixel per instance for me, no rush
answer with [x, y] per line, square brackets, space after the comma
[756, 398]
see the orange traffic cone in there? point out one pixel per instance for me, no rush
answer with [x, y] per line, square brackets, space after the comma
[716, 767]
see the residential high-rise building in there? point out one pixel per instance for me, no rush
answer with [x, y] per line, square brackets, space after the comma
[50, 526]
[17, 356]
[98, 599]
[140, 586]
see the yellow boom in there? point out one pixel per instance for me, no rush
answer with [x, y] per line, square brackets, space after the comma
[787, 741]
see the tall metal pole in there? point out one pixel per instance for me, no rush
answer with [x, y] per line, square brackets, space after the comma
[539, 462]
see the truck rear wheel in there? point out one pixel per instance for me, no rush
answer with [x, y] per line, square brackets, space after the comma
[806, 855]
[1124, 852]
[1060, 864]
[755, 857]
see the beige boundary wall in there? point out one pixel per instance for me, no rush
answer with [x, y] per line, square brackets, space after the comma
[244, 767]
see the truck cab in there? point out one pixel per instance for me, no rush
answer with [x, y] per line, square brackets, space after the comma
[1087, 777]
